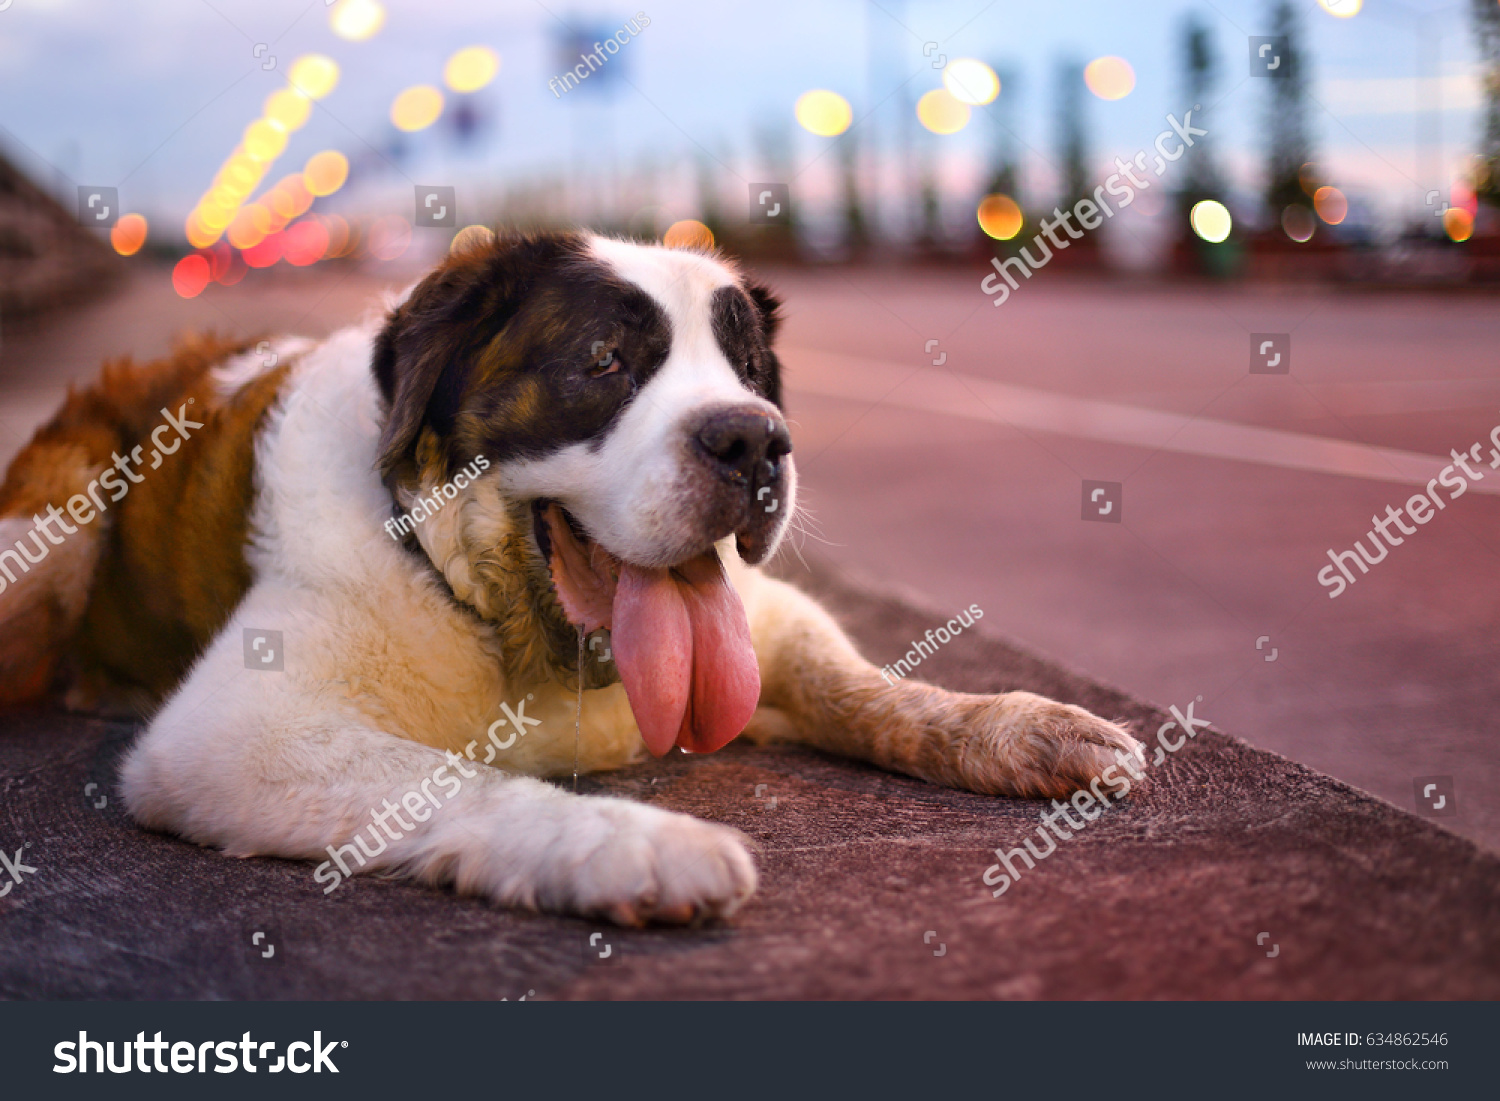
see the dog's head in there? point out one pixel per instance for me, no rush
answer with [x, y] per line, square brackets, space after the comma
[627, 402]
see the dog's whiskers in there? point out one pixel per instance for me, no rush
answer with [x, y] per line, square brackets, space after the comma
[801, 524]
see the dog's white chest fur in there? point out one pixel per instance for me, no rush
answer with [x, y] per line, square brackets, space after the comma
[365, 624]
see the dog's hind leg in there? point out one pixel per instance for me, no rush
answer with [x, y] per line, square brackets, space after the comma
[817, 690]
[276, 764]
[47, 555]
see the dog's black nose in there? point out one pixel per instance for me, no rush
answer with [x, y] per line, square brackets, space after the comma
[744, 444]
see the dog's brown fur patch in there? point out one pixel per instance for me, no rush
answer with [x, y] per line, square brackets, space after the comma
[170, 554]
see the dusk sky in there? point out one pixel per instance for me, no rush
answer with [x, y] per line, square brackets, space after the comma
[151, 96]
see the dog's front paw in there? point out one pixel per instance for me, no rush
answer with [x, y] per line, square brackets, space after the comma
[1026, 745]
[648, 865]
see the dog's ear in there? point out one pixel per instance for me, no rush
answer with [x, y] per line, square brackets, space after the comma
[424, 354]
[769, 308]
[418, 357]
[768, 305]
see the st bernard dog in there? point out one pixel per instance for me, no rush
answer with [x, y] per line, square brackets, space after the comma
[442, 512]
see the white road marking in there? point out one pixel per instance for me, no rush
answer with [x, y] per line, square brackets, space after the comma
[861, 379]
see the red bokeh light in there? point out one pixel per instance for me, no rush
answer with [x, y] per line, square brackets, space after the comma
[304, 243]
[234, 269]
[190, 276]
[264, 254]
[218, 257]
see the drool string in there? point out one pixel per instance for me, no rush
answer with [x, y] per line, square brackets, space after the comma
[578, 715]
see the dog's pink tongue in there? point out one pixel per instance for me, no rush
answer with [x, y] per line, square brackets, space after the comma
[682, 644]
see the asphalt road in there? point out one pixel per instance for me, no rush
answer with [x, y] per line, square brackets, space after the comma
[954, 470]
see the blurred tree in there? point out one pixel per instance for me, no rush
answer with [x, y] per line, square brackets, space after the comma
[1197, 172]
[930, 232]
[856, 226]
[1487, 33]
[773, 145]
[1289, 147]
[1072, 140]
[1005, 172]
[710, 210]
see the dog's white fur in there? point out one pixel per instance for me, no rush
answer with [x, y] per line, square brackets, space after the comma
[384, 674]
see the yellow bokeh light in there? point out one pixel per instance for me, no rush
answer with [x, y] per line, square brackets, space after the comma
[1458, 223]
[223, 198]
[471, 69]
[1308, 177]
[1211, 221]
[242, 173]
[1344, 9]
[824, 113]
[325, 172]
[249, 227]
[1000, 217]
[357, 20]
[288, 107]
[1109, 77]
[199, 235]
[128, 234]
[471, 239]
[417, 108]
[314, 75]
[970, 81]
[1330, 204]
[688, 234]
[941, 113]
[264, 141]
[214, 217]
